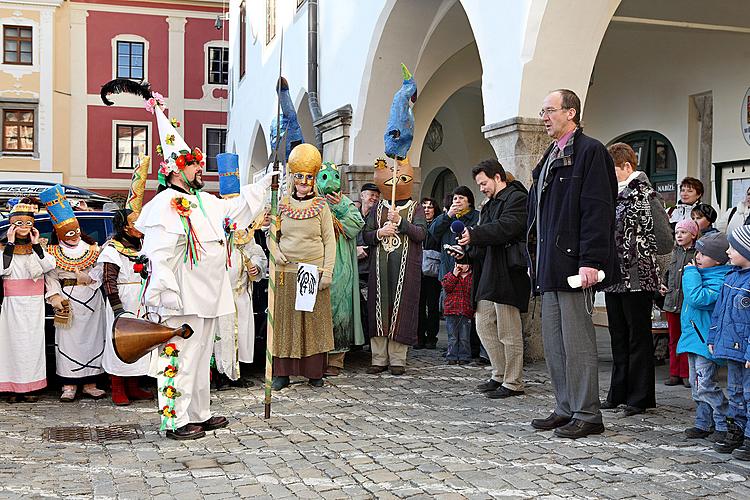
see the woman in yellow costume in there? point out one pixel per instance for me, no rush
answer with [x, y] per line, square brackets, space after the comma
[305, 236]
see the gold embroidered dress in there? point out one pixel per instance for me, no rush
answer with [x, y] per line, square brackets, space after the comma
[302, 339]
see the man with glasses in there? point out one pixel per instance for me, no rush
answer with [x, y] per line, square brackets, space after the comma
[571, 213]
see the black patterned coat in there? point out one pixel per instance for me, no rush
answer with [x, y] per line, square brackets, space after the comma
[640, 224]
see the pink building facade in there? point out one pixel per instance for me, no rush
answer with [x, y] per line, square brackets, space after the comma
[181, 49]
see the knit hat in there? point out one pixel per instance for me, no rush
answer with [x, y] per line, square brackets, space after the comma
[688, 225]
[714, 245]
[740, 241]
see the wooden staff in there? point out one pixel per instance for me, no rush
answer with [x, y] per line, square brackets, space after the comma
[393, 187]
[274, 234]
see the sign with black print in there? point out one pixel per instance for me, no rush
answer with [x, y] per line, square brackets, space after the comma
[307, 287]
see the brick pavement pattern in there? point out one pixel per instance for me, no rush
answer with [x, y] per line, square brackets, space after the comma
[427, 434]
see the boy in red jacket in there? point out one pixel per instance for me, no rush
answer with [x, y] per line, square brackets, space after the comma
[458, 312]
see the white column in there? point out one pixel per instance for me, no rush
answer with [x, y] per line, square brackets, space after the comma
[45, 122]
[176, 99]
[78, 105]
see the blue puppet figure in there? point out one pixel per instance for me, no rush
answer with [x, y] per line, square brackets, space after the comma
[289, 124]
[399, 131]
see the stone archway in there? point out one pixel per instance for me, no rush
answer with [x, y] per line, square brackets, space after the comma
[258, 154]
[438, 46]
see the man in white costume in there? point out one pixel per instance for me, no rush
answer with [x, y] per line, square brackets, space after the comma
[235, 334]
[189, 282]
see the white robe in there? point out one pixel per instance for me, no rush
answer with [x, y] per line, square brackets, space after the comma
[235, 333]
[79, 347]
[128, 288]
[204, 288]
[22, 354]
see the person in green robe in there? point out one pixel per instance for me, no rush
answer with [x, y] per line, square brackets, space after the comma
[347, 223]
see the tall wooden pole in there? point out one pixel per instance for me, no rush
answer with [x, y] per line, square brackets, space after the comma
[273, 233]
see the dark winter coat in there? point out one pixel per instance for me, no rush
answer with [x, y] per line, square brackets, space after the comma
[502, 222]
[642, 232]
[730, 321]
[576, 215]
[440, 231]
[673, 278]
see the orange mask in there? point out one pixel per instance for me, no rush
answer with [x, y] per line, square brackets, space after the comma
[404, 178]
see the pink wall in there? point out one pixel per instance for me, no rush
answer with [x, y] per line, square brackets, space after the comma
[99, 142]
[102, 27]
[197, 33]
[193, 129]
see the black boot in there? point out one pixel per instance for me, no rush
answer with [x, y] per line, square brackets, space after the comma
[743, 452]
[734, 439]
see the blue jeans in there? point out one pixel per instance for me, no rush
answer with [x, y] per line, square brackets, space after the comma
[459, 342]
[711, 405]
[738, 388]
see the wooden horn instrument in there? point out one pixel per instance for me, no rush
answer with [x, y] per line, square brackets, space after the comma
[133, 338]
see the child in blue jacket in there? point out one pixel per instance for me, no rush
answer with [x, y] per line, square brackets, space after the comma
[701, 284]
[728, 339]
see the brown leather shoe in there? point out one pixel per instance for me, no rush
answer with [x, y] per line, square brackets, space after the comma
[578, 429]
[375, 369]
[673, 381]
[398, 370]
[215, 422]
[188, 431]
[552, 422]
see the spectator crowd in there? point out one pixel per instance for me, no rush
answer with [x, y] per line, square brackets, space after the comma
[589, 222]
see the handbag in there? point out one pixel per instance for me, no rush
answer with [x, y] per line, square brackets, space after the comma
[430, 263]
[515, 254]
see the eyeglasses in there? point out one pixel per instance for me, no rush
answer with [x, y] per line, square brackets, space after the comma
[548, 111]
[299, 176]
[21, 223]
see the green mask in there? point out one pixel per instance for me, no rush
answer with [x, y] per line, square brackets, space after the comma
[328, 179]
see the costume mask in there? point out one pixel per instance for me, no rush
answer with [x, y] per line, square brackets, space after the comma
[384, 178]
[304, 163]
[22, 216]
[61, 214]
[328, 179]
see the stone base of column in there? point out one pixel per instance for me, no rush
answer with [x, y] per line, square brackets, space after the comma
[519, 143]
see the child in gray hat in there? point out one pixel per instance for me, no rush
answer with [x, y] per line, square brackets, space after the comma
[701, 283]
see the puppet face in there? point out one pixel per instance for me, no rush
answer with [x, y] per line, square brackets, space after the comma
[404, 178]
[23, 224]
[328, 179]
[69, 233]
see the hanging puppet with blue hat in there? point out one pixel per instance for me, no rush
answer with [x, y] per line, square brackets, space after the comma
[73, 291]
[394, 231]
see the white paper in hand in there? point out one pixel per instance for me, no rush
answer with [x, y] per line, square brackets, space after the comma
[307, 287]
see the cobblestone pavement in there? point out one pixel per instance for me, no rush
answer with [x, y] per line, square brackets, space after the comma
[426, 434]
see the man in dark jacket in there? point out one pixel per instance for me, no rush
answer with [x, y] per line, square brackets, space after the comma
[501, 284]
[571, 212]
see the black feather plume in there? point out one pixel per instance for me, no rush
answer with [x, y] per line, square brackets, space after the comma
[120, 85]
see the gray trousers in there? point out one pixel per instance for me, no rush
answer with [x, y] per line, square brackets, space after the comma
[572, 360]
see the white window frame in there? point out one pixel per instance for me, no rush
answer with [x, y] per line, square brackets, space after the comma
[130, 38]
[218, 44]
[208, 88]
[207, 126]
[19, 70]
[115, 123]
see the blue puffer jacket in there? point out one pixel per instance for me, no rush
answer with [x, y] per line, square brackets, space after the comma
[701, 288]
[730, 321]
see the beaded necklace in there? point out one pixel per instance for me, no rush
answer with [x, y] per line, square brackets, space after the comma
[308, 212]
[88, 259]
